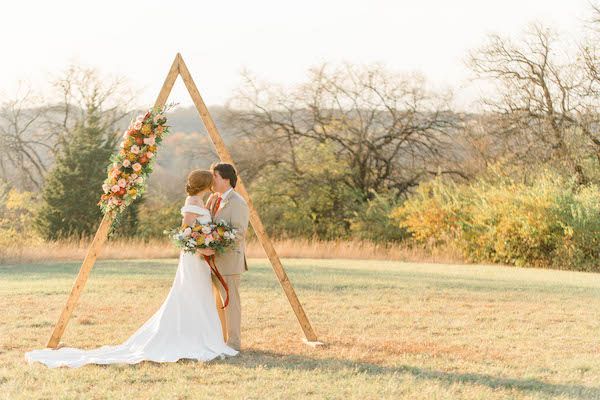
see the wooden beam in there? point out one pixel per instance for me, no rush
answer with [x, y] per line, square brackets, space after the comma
[82, 276]
[178, 67]
[254, 217]
[102, 233]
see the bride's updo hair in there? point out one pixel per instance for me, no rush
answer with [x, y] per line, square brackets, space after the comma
[197, 181]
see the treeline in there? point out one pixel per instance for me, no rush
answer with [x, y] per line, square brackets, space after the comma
[354, 152]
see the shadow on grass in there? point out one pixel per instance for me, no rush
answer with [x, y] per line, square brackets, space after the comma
[271, 360]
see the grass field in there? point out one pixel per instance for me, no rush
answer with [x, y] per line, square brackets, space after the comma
[394, 330]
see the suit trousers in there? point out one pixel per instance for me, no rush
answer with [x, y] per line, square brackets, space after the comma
[231, 316]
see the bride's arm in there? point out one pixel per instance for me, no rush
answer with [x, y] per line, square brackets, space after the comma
[190, 217]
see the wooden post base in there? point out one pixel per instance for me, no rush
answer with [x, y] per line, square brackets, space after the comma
[313, 343]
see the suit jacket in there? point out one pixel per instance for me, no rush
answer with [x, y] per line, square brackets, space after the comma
[233, 210]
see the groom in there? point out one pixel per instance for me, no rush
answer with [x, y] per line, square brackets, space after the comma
[232, 208]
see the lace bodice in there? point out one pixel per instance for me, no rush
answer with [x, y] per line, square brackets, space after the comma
[203, 213]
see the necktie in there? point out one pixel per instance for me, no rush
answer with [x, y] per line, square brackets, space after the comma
[217, 204]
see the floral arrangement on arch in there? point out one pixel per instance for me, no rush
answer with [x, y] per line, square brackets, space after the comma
[130, 167]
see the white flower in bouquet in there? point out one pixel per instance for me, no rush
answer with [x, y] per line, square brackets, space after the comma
[187, 232]
[206, 229]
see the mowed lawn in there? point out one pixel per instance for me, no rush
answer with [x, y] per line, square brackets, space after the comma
[393, 330]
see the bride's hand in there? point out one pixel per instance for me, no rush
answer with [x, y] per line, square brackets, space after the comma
[206, 252]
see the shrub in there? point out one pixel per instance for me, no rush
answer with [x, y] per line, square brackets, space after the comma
[544, 221]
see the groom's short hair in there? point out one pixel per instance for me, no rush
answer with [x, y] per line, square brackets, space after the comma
[226, 171]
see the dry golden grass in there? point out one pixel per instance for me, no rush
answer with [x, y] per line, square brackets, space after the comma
[394, 330]
[127, 249]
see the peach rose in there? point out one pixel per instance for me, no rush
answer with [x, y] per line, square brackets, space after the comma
[150, 140]
[137, 167]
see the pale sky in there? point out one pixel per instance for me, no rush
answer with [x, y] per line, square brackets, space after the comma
[275, 40]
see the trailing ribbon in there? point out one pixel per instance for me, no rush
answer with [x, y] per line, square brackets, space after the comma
[213, 267]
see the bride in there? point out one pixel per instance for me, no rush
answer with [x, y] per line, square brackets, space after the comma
[186, 325]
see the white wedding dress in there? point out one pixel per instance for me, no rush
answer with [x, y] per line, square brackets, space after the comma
[186, 325]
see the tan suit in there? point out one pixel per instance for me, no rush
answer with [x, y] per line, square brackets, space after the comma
[233, 210]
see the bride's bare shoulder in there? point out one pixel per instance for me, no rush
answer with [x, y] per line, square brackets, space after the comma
[194, 201]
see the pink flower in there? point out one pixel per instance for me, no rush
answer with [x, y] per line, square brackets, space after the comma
[195, 235]
[133, 176]
[106, 188]
[149, 140]
[149, 154]
[187, 232]
[137, 125]
[126, 163]
[137, 167]
[139, 180]
[115, 173]
[115, 188]
[135, 149]
[122, 182]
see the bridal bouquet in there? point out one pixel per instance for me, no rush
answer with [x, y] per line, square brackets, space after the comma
[214, 235]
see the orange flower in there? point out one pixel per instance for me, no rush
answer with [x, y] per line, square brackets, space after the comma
[146, 129]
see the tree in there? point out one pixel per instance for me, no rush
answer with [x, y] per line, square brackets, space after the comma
[24, 146]
[546, 109]
[73, 186]
[388, 129]
[82, 131]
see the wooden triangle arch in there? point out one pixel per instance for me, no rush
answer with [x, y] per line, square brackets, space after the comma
[180, 69]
